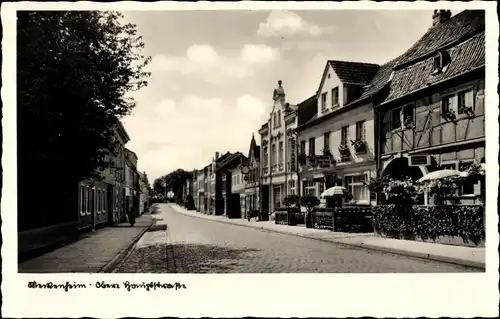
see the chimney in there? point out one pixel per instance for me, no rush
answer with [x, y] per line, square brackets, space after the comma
[216, 155]
[440, 16]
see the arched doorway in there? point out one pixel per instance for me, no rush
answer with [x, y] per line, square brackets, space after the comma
[400, 169]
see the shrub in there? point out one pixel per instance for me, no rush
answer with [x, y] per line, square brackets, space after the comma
[291, 200]
[465, 221]
[309, 202]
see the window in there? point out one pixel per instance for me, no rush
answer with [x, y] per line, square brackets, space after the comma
[448, 105]
[274, 119]
[344, 136]
[303, 147]
[312, 149]
[309, 188]
[323, 101]
[408, 114]
[280, 154]
[321, 188]
[437, 63]
[326, 141]
[273, 154]
[82, 200]
[441, 60]
[266, 155]
[335, 96]
[103, 198]
[467, 187]
[402, 116]
[291, 187]
[360, 131]
[98, 195]
[355, 185]
[396, 119]
[452, 166]
[87, 198]
[279, 118]
[465, 100]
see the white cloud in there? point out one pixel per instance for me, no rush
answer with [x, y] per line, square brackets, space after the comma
[203, 61]
[259, 53]
[166, 106]
[287, 24]
[250, 106]
[203, 54]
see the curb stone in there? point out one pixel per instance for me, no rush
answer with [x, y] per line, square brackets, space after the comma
[450, 260]
[125, 252]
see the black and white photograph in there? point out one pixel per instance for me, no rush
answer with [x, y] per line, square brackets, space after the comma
[185, 154]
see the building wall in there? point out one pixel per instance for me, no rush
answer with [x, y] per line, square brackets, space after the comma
[331, 81]
[431, 130]
[348, 173]
[334, 126]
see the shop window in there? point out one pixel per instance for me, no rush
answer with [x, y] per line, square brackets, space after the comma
[355, 184]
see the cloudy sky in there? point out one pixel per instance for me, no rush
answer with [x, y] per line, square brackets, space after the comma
[213, 72]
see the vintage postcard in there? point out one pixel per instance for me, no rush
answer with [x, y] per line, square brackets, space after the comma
[250, 159]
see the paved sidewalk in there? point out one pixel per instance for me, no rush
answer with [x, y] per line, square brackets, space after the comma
[467, 256]
[98, 251]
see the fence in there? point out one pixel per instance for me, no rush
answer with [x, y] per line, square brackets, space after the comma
[288, 216]
[351, 219]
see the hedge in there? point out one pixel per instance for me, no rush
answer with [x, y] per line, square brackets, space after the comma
[465, 221]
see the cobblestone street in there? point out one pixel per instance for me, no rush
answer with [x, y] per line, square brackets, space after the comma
[193, 245]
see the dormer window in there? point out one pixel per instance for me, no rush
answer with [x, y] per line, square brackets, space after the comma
[441, 61]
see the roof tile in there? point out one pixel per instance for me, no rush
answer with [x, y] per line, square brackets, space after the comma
[466, 56]
[354, 72]
[463, 25]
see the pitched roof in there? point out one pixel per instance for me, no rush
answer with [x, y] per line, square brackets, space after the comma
[461, 26]
[379, 81]
[306, 110]
[466, 56]
[231, 160]
[253, 146]
[354, 72]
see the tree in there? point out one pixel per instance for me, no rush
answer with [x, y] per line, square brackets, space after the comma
[74, 70]
[173, 181]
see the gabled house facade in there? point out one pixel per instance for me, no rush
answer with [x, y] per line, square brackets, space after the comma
[337, 145]
[433, 114]
[252, 183]
[278, 150]
[231, 180]
[215, 205]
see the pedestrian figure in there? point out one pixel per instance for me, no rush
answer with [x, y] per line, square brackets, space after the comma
[131, 216]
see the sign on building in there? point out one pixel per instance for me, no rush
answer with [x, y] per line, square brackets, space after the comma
[420, 160]
[293, 158]
[323, 161]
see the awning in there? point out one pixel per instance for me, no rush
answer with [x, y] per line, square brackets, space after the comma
[444, 173]
[334, 191]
